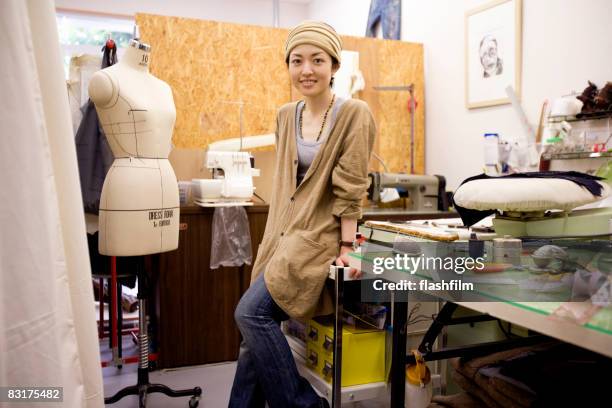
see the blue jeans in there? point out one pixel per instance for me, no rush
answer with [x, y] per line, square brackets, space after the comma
[388, 13]
[266, 371]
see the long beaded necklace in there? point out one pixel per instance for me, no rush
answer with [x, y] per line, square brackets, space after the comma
[324, 118]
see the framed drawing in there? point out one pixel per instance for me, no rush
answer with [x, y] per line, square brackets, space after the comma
[492, 53]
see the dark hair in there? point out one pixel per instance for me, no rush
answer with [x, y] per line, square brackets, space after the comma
[335, 62]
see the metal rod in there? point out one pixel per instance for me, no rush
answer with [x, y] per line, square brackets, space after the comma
[275, 13]
[337, 380]
[101, 297]
[398, 368]
[119, 324]
[241, 122]
[113, 306]
[412, 108]
[470, 319]
[473, 350]
[436, 327]
[143, 336]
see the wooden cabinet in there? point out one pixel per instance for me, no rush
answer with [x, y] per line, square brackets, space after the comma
[194, 304]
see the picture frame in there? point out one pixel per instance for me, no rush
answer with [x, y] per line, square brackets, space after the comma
[493, 53]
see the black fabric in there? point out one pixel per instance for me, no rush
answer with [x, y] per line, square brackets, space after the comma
[471, 217]
[563, 376]
[94, 155]
[101, 264]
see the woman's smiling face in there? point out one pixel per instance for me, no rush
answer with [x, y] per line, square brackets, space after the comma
[310, 69]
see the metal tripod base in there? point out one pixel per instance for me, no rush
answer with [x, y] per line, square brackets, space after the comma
[143, 387]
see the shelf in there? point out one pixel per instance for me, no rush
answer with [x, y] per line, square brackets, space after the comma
[580, 117]
[576, 155]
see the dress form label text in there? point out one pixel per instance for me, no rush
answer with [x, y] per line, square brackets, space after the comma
[161, 218]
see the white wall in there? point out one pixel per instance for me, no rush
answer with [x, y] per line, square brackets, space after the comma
[257, 12]
[565, 42]
[348, 17]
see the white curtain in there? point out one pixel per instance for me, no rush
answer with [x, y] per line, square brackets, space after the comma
[47, 317]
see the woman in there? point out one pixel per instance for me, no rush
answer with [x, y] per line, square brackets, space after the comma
[323, 147]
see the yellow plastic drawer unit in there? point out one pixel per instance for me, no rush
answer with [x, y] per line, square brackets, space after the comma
[363, 353]
[320, 335]
[312, 332]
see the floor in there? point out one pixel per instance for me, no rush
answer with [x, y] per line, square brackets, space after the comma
[214, 379]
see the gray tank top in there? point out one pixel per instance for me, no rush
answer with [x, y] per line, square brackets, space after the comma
[307, 150]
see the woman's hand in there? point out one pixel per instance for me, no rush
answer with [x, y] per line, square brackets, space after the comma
[343, 260]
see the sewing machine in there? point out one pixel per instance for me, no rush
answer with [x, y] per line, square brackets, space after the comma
[232, 182]
[425, 193]
[232, 172]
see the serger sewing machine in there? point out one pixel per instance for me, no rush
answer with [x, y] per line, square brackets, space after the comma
[232, 172]
[425, 193]
[232, 182]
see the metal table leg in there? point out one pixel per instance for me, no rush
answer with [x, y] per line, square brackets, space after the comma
[398, 353]
[339, 310]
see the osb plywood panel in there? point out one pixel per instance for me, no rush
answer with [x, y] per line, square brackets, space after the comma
[215, 68]
[393, 63]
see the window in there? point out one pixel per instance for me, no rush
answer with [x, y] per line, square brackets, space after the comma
[82, 33]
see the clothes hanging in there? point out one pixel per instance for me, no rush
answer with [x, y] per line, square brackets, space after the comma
[94, 155]
[389, 14]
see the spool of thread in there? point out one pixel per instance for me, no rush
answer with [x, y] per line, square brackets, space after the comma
[507, 250]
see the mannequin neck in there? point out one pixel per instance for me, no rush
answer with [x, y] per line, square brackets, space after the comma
[137, 56]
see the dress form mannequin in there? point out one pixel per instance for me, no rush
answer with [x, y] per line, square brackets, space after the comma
[139, 206]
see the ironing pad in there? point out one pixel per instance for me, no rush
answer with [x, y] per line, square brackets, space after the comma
[525, 194]
[423, 232]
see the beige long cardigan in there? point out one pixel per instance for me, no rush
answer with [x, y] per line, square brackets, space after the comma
[303, 227]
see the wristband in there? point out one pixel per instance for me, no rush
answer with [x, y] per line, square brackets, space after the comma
[349, 244]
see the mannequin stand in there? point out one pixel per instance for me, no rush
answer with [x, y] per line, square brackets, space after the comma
[143, 387]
